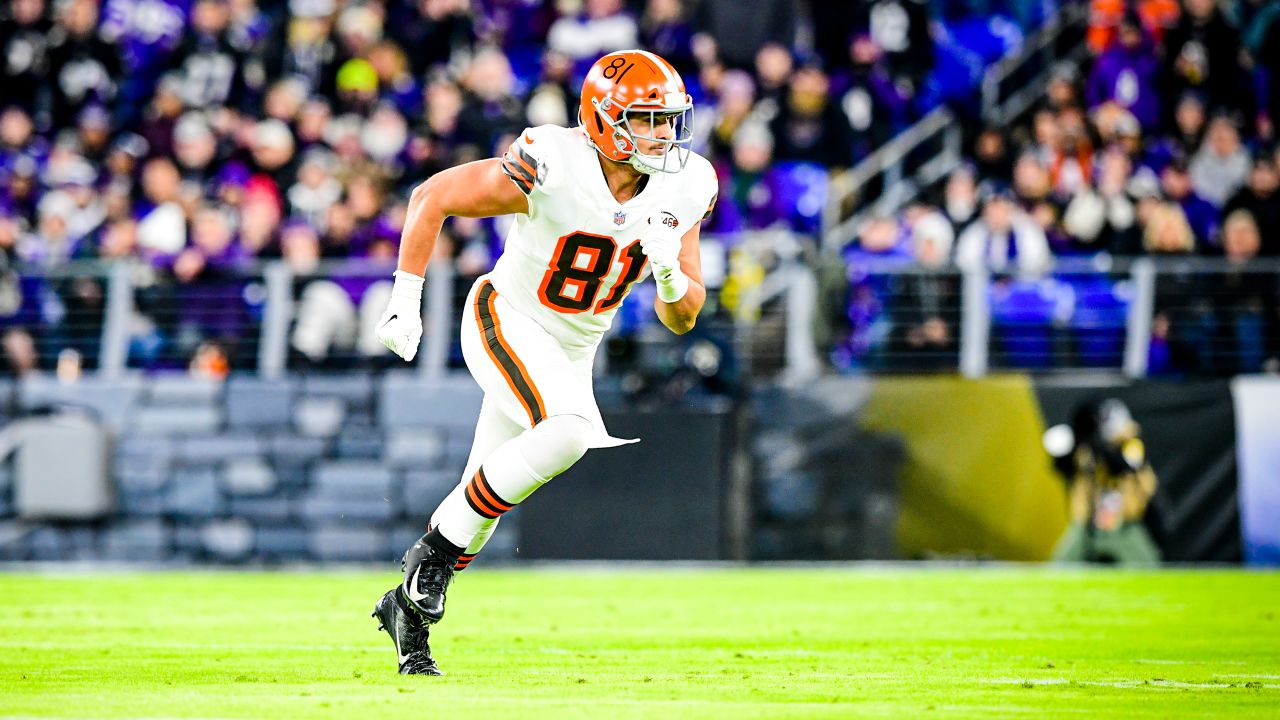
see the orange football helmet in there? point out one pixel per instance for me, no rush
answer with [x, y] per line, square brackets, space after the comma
[631, 84]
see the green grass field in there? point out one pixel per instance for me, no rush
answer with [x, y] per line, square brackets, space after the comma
[651, 643]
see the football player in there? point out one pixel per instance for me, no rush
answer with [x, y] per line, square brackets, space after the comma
[597, 206]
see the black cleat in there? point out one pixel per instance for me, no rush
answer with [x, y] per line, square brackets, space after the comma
[407, 632]
[427, 574]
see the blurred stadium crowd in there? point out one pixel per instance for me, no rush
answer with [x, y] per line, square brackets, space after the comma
[1162, 143]
[198, 136]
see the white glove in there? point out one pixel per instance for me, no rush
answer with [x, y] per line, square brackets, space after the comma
[661, 245]
[400, 327]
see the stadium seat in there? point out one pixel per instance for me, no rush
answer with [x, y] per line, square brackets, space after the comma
[790, 496]
[295, 450]
[319, 417]
[353, 479]
[141, 502]
[357, 442]
[187, 544]
[401, 536]
[252, 402]
[414, 448]
[177, 420]
[216, 448]
[283, 541]
[805, 185]
[423, 490]
[320, 507]
[406, 400]
[248, 476]
[147, 540]
[113, 401]
[269, 509]
[133, 446]
[228, 539]
[194, 493]
[181, 389]
[349, 543]
[354, 389]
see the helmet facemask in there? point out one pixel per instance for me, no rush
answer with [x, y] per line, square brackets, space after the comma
[676, 148]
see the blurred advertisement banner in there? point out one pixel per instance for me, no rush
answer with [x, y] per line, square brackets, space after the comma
[1257, 401]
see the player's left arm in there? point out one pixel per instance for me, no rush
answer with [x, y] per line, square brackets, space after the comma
[681, 315]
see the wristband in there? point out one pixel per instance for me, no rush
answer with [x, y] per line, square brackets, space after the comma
[407, 286]
[673, 286]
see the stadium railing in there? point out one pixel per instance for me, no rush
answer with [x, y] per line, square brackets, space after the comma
[925, 153]
[1197, 315]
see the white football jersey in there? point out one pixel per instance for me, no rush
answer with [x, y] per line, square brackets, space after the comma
[572, 259]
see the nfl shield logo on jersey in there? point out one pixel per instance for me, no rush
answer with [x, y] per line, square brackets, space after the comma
[619, 218]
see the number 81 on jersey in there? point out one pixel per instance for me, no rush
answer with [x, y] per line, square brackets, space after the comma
[578, 268]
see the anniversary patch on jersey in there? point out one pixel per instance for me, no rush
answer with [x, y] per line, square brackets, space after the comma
[520, 167]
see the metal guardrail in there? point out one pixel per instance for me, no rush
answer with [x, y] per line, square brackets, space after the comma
[147, 315]
[899, 170]
[1130, 316]
[1121, 315]
[896, 170]
[1015, 83]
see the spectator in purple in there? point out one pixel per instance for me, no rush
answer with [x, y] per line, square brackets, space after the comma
[602, 27]
[1201, 215]
[875, 105]
[755, 197]
[210, 288]
[396, 85]
[161, 115]
[147, 31]
[1003, 238]
[1128, 74]
[665, 30]
[1183, 139]
[880, 242]
[336, 312]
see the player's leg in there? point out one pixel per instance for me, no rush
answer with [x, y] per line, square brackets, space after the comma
[527, 375]
[492, 430]
[408, 631]
[507, 476]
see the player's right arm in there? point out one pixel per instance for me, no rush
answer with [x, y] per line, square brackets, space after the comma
[476, 189]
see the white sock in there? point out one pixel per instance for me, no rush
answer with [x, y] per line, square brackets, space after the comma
[509, 475]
